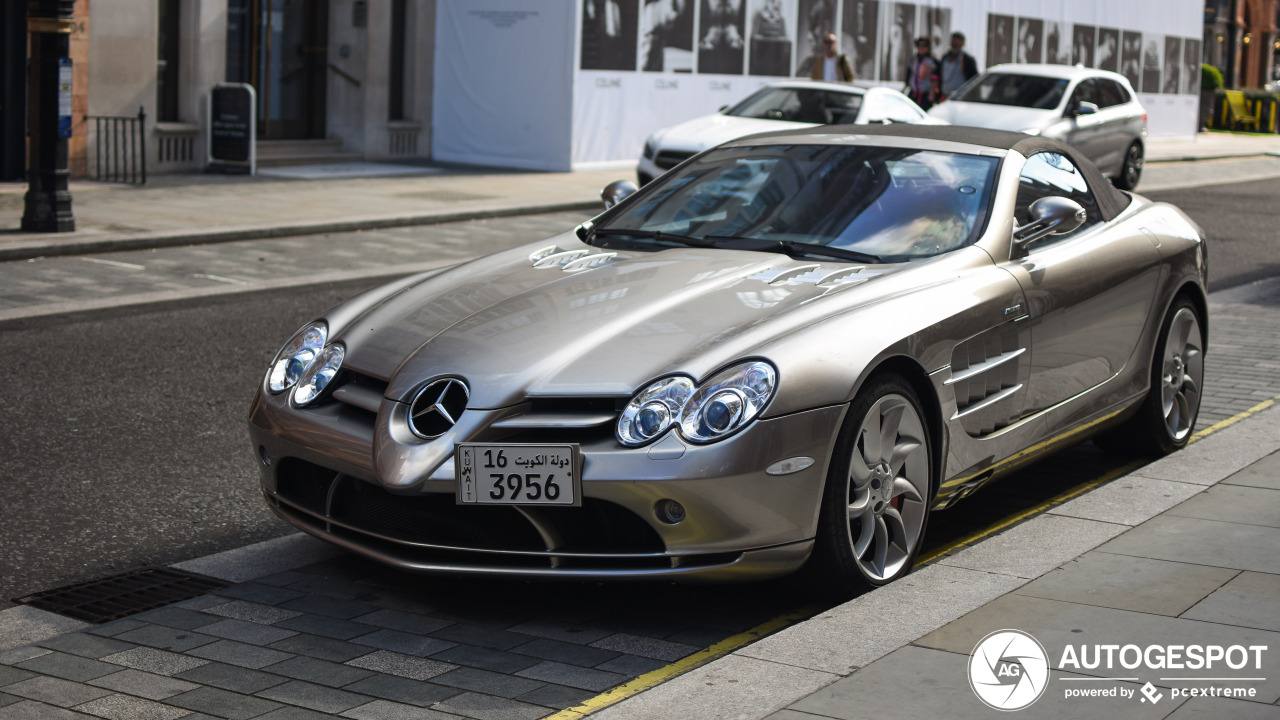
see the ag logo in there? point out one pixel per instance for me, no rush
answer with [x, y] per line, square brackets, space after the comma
[1008, 670]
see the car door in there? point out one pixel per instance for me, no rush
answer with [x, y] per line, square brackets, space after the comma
[1087, 132]
[1088, 292]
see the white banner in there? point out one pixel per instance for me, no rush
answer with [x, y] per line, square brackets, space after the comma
[645, 64]
[504, 71]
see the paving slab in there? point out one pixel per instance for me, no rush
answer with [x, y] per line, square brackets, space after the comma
[1203, 542]
[31, 710]
[1035, 547]
[858, 632]
[1234, 503]
[143, 684]
[123, 707]
[1129, 500]
[55, 691]
[25, 625]
[1249, 600]
[1224, 709]
[1263, 474]
[1123, 582]
[727, 689]
[916, 682]
[1059, 624]
[387, 710]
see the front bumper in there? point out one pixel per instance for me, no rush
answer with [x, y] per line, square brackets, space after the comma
[740, 523]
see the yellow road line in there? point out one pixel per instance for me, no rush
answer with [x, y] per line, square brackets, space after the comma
[728, 645]
[684, 665]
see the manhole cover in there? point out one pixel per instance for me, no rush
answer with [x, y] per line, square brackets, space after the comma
[100, 601]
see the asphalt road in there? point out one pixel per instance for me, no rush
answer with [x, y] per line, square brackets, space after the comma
[122, 442]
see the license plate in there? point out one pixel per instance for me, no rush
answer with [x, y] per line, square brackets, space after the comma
[513, 474]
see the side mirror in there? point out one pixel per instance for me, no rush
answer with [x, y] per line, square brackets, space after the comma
[1084, 108]
[616, 191]
[1049, 216]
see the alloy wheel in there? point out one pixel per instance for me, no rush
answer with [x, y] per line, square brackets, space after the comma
[1182, 373]
[888, 484]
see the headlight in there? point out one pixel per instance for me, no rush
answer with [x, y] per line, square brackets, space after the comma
[648, 148]
[718, 408]
[728, 401]
[317, 378]
[296, 357]
[653, 410]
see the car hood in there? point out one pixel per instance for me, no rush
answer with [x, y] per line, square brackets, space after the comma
[515, 328]
[705, 132]
[995, 117]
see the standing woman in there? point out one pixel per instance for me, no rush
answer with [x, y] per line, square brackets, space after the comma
[923, 76]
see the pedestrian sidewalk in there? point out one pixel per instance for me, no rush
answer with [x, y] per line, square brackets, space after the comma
[193, 209]
[198, 208]
[1180, 553]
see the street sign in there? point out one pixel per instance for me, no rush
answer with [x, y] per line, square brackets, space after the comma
[64, 97]
[232, 128]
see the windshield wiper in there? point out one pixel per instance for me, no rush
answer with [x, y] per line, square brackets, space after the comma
[790, 247]
[657, 235]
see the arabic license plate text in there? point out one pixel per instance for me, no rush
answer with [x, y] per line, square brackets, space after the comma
[518, 474]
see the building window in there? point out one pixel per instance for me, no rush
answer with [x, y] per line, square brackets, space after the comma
[395, 103]
[167, 62]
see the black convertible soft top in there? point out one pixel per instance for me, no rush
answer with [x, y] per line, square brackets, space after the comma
[1110, 200]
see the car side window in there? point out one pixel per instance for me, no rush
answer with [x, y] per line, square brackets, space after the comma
[1086, 91]
[843, 107]
[1110, 94]
[1047, 174]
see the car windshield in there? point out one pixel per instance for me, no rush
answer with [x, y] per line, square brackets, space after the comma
[886, 203]
[811, 105]
[1028, 91]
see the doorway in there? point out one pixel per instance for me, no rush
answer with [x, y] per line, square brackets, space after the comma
[281, 47]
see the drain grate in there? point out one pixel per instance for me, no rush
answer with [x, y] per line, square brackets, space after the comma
[100, 601]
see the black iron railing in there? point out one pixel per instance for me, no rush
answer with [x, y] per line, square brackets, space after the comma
[120, 148]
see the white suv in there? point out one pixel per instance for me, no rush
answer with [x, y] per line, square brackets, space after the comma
[1094, 111]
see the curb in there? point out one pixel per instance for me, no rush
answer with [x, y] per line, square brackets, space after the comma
[54, 247]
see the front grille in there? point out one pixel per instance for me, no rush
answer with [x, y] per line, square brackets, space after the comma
[432, 519]
[597, 526]
[668, 159]
[361, 393]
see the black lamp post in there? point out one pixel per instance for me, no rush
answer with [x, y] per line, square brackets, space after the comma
[48, 200]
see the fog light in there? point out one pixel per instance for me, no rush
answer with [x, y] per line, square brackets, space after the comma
[669, 512]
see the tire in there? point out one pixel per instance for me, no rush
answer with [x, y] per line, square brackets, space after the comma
[1131, 170]
[1167, 417]
[875, 506]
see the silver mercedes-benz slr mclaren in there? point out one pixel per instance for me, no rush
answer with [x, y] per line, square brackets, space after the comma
[783, 353]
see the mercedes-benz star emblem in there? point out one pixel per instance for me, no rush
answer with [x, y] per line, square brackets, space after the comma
[437, 407]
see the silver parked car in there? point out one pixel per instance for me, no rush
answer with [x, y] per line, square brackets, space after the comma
[1094, 111]
[784, 105]
[787, 351]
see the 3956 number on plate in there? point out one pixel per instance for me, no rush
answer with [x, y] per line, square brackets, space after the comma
[517, 474]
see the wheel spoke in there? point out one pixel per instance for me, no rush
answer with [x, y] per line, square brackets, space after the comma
[858, 506]
[859, 472]
[903, 488]
[882, 546]
[864, 538]
[1189, 384]
[1179, 334]
[901, 452]
[898, 527]
[871, 438]
[890, 421]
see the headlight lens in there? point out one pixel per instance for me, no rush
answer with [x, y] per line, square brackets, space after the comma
[728, 401]
[317, 378]
[717, 409]
[653, 410]
[296, 357]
